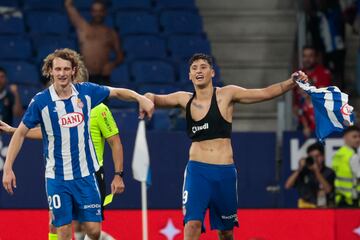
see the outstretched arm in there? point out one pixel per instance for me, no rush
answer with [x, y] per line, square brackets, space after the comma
[9, 179]
[146, 107]
[117, 184]
[76, 19]
[243, 95]
[176, 99]
[34, 133]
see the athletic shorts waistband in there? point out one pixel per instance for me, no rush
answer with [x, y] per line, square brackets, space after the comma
[210, 165]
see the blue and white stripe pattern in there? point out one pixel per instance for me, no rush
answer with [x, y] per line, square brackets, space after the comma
[332, 111]
[67, 145]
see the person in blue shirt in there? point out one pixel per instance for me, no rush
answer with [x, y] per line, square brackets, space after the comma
[63, 112]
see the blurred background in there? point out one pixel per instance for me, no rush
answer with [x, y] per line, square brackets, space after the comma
[254, 43]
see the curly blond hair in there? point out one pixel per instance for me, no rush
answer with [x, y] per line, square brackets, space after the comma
[81, 73]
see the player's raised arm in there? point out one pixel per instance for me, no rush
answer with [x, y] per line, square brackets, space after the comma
[243, 95]
[176, 99]
[9, 179]
[146, 107]
[34, 133]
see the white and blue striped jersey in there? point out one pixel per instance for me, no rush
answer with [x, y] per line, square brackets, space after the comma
[68, 149]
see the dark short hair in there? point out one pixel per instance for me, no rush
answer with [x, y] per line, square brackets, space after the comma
[99, 2]
[311, 47]
[351, 129]
[203, 56]
[3, 70]
[315, 146]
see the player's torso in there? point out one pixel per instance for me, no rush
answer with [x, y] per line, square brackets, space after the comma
[209, 126]
[67, 145]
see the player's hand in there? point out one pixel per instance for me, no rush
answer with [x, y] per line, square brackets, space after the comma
[299, 76]
[9, 180]
[4, 127]
[146, 108]
[117, 185]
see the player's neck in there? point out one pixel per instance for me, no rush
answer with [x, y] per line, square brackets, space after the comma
[63, 91]
[204, 93]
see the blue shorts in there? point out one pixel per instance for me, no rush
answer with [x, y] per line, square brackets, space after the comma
[77, 199]
[211, 186]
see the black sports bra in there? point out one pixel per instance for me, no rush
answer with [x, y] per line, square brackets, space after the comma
[212, 126]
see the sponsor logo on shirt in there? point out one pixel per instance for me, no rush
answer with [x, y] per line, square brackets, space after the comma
[199, 128]
[71, 120]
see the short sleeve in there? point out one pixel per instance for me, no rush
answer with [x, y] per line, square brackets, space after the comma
[98, 93]
[106, 122]
[32, 116]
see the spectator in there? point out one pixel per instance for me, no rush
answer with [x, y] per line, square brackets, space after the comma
[332, 32]
[345, 163]
[313, 180]
[10, 103]
[356, 29]
[320, 77]
[96, 41]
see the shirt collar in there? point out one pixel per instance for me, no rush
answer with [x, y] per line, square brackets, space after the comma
[55, 97]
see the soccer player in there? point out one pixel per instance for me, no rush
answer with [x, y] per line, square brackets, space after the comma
[210, 176]
[63, 112]
[102, 127]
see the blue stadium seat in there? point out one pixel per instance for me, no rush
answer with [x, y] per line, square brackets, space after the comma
[9, 3]
[158, 88]
[160, 120]
[121, 4]
[120, 75]
[15, 47]
[117, 104]
[127, 120]
[188, 4]
[184, 46]
[136, 22]
[45, 45]
[83, 4]
[27, 93]
[11, 24]
[47, 22]
[44, 5]
[181, 22]
[153, 72]
[21, 72]
[144, 46]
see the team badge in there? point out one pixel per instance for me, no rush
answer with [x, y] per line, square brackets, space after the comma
[80, 104]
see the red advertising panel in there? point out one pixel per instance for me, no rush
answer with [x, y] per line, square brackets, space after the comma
[269, 224]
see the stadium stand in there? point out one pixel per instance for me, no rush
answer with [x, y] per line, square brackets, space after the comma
[156, 36]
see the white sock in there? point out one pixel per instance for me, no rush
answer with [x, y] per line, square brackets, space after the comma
[87, 238]
[105, 236]
[79, 236]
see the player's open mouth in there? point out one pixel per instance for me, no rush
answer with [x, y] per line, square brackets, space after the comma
[199, 77]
